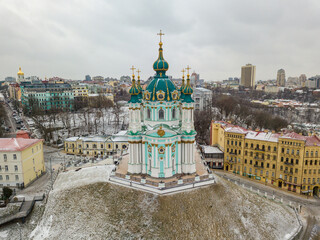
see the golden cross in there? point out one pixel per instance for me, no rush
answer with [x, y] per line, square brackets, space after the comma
[160, 34]
[188, 68]
[138, 71]
[132, 68]
[183, 72]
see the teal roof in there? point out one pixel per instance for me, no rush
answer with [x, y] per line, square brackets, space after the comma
[187, 92]
[134, 92]
[163, 84]
[140, 88]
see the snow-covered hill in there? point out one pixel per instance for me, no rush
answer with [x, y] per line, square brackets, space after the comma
[83, 205]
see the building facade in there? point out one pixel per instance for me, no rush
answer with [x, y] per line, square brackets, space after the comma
[281, 78]
[21, 161]
[47, 96]
[202, 98]
[96, 145]
[161, 131]
[248, 75]
[289, 161]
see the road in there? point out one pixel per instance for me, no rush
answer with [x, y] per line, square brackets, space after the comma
[310, 208]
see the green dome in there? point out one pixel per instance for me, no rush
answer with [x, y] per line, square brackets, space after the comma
[161, 65]
[187, 92]
[134, 92]
[163, 86]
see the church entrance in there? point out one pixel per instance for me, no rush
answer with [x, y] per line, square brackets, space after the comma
[316, 191]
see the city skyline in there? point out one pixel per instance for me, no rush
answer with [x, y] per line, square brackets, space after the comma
[215, 39]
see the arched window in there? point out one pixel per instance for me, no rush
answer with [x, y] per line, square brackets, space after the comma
[174, 113]
[161, 114]
[148, 113]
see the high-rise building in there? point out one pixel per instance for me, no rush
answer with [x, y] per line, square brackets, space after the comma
[248, 75]
[302, 80]
[195, 79]
[281, 78]
[88, 78]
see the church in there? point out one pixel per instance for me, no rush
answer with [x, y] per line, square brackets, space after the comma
[161, 131]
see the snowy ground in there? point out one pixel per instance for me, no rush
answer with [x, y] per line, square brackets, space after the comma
[83, 205]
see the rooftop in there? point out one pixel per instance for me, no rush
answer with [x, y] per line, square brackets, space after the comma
[16, 144]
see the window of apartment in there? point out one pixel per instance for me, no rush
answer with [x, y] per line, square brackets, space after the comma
[5, 157]
[298, 152]
[1, 178]
[116, 146]
[309, 171]
[290, 179]
[7, 177]
[285, 177]
[87, 145]
[314, 171]
[272, 174]
[288, 150]
[256, 171]
[307, 154]
[245, 153]
[268, 165]
[310, 162]
[304, 180]
[240, 144]
[246, 144]
[261, 172]
[269, 148]
[274, 157]
[311, 153]
[309, 180]
[296, 170]
[292, 152]
[228, 142]
[245, 169]
[267, 173]
[275, 149]
[6, 168]
[32, 150]
[273, 166]
[297, 161]
[305, 171]
[251, 145]
[14, 156]
[245, 161]
[282, 150]
[281, 159]
[17, 177]
[306, 162]
[15, 168]
[101, 145]
[315, 162]
[281, 168]
[295, 180]
[251, 154]
[251, 162]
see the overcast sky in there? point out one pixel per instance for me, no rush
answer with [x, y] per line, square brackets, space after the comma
[72, 38]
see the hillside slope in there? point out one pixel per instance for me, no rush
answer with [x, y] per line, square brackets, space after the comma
[101, 210]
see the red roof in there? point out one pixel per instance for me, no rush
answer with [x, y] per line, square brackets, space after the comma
[16, 144]
[22, 134]
[313, 141]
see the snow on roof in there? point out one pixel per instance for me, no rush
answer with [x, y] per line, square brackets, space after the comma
[295, 136]
[118, 137]
[211, 149]
[202, 89]
[236, 129]
[16, 144]
[313, 141]
[263, 136]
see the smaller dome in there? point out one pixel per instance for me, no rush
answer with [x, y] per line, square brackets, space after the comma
[134, 90]
[20, 73]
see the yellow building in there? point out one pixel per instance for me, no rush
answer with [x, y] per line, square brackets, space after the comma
[21, 161]
[289, 161]
[80, 90]
[96, 145]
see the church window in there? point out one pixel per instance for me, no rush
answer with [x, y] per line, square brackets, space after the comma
[174, 113]
[148, 113]
[161, 150]
[161, 114]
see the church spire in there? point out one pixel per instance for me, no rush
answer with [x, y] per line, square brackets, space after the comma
[182, 84]
[187, 90]
[139, 85]
[134, 91]
[160, 65]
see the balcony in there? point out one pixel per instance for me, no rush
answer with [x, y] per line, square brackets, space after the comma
[232, 153]
[259, 158]
[258, 166]
[288, 163]
[260, 149]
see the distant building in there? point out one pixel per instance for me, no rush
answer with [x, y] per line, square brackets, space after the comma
[302, 80]
[314, 82]
[126, 79]
[98, 79]
[281, 78]
[194, 79]
[10, 79]
[248, 76]
[80, 90]
[21, 161]
[87, 78]
[47, 96]
[96, 145]
[293, 82]
[202, 98]
[20, 76]
[271, 88]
